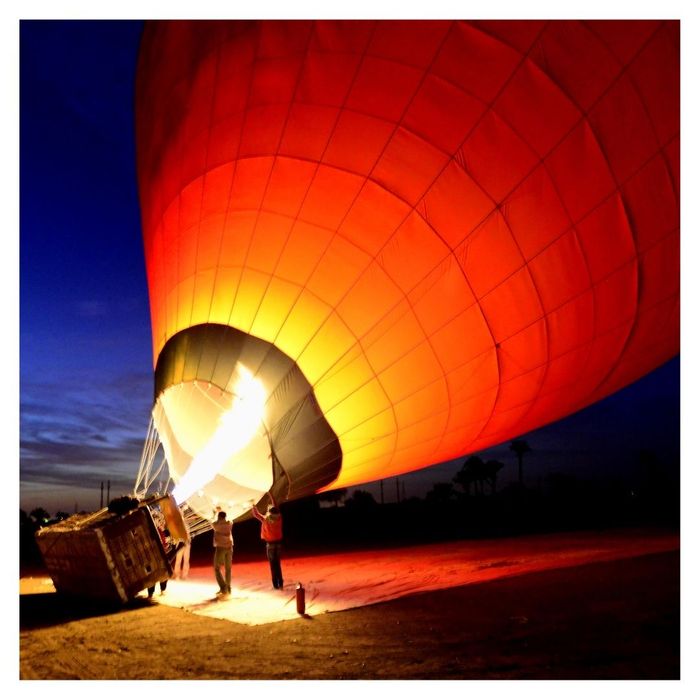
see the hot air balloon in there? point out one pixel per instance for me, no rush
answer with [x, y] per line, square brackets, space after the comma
[373, 246]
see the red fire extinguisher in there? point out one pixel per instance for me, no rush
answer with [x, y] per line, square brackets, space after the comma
[301, 599]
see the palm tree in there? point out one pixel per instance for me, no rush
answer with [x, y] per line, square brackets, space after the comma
[491, 469]
[520, 447]
[471, 472]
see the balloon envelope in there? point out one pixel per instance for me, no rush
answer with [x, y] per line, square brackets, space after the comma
[421, 238]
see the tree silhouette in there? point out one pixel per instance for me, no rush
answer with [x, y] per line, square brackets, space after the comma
[440, 493]
[472, 472]
[40, 516]
[333, 496]
[361, 501]
[520, 447]
[479, 477]
[491, 469]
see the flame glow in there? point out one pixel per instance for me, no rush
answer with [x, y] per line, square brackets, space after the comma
[236, 428]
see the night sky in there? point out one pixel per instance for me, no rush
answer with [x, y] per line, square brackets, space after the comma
[85, 339]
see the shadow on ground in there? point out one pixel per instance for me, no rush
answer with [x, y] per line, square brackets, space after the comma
[40, 610]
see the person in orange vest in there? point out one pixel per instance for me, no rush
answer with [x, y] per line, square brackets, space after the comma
[271, 533]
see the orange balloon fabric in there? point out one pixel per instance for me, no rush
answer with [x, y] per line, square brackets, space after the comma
[458, 231]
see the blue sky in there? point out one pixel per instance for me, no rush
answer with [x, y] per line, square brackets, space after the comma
[85, 352]
[85, 341]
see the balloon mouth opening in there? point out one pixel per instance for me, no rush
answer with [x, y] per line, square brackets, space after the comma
[235, 416]
[221, 434]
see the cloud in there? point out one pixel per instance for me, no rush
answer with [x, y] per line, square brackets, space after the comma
[75, 433]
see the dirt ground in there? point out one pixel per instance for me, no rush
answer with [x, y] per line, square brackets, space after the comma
[611, 620]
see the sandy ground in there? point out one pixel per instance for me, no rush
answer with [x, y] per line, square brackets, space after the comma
[587, 605]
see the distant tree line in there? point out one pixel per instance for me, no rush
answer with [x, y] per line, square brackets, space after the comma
[472, 505]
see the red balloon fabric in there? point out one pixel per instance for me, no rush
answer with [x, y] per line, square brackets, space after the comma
[457, 231]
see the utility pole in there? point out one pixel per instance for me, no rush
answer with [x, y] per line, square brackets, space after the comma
[102, 493]
[108, 491]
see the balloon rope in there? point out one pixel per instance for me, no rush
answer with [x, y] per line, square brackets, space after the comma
[150, 447]
[155, 474]
[147, 476]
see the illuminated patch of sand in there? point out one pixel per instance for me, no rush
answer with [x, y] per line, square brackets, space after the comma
[354, 579]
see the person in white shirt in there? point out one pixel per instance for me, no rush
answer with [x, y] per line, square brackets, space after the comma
[223, 553]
